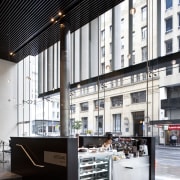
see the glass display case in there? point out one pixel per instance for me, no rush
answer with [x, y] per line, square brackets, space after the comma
[94, 167]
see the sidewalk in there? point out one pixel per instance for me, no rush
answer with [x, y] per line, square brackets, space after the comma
[161, 146]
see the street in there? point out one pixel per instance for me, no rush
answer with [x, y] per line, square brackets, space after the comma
[167, 163]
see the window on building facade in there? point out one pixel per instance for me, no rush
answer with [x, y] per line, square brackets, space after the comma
[144, 53]
[117, 101]
[84, 106]
[110, 65]
[57, 104]
[84, 124]
[99, 125]
[57, 115]
[132, 78]
[110, 47]
[169, 46]
[72, 108]
[144, 33]
[71, 124]
[102, 68]
[138, 97]
[53, 115]
[122, 43]
[137, 77]
[169, 24]
[178, 42]
[144, 13]
[103, 51]
[173, 92]
[116, 122]
[178, 20]
[110, 30]
[144, 76]
[169, 70]
[168, 4]
[122, 25]
[103, 35]
[133, 57]
[122, 61]
[101, 104]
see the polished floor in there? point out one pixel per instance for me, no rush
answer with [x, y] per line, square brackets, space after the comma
[5, 168]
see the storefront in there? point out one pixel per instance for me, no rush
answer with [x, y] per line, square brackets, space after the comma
[166, 129]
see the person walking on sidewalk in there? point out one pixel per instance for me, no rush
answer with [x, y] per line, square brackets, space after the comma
[174, 139]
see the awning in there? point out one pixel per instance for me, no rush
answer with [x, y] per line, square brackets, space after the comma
[164, 122]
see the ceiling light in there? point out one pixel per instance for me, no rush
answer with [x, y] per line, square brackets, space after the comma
[132, 11]
[173, 62]
[62, 25]
[11, 53]
[60, 13]
[129, 56]
[52, 19]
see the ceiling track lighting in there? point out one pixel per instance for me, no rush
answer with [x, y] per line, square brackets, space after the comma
[57, 17]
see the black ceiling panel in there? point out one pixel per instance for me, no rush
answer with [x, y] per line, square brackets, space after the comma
[26, 29]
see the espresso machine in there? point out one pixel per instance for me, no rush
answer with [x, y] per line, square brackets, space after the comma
[143, 148]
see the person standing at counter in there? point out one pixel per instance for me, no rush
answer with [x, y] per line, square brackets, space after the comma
[108, 142]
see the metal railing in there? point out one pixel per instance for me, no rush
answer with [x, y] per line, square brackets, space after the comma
[37, 165]
[3, 151]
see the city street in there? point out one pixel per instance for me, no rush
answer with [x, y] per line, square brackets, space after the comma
[167, 163]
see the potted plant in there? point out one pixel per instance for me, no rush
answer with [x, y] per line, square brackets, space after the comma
[89, 132]
[77, 126]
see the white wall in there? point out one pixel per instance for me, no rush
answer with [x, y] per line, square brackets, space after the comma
[8, 92]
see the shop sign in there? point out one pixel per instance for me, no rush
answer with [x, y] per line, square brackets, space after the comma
[174, 127]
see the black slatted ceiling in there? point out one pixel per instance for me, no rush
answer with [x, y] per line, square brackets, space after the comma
[25, 26]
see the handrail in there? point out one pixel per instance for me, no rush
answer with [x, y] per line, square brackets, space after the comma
[29, 156]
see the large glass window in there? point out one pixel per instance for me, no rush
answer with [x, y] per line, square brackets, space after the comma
[101, 52]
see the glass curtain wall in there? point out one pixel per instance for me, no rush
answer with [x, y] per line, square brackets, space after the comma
[131, 92]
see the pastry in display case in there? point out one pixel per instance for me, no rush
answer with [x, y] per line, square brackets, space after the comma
[94, 168]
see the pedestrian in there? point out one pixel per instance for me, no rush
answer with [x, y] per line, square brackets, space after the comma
[174, 139]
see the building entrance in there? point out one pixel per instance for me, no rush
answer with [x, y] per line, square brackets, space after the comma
[138, 119]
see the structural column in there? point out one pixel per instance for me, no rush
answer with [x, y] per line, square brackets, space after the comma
[64, 79]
